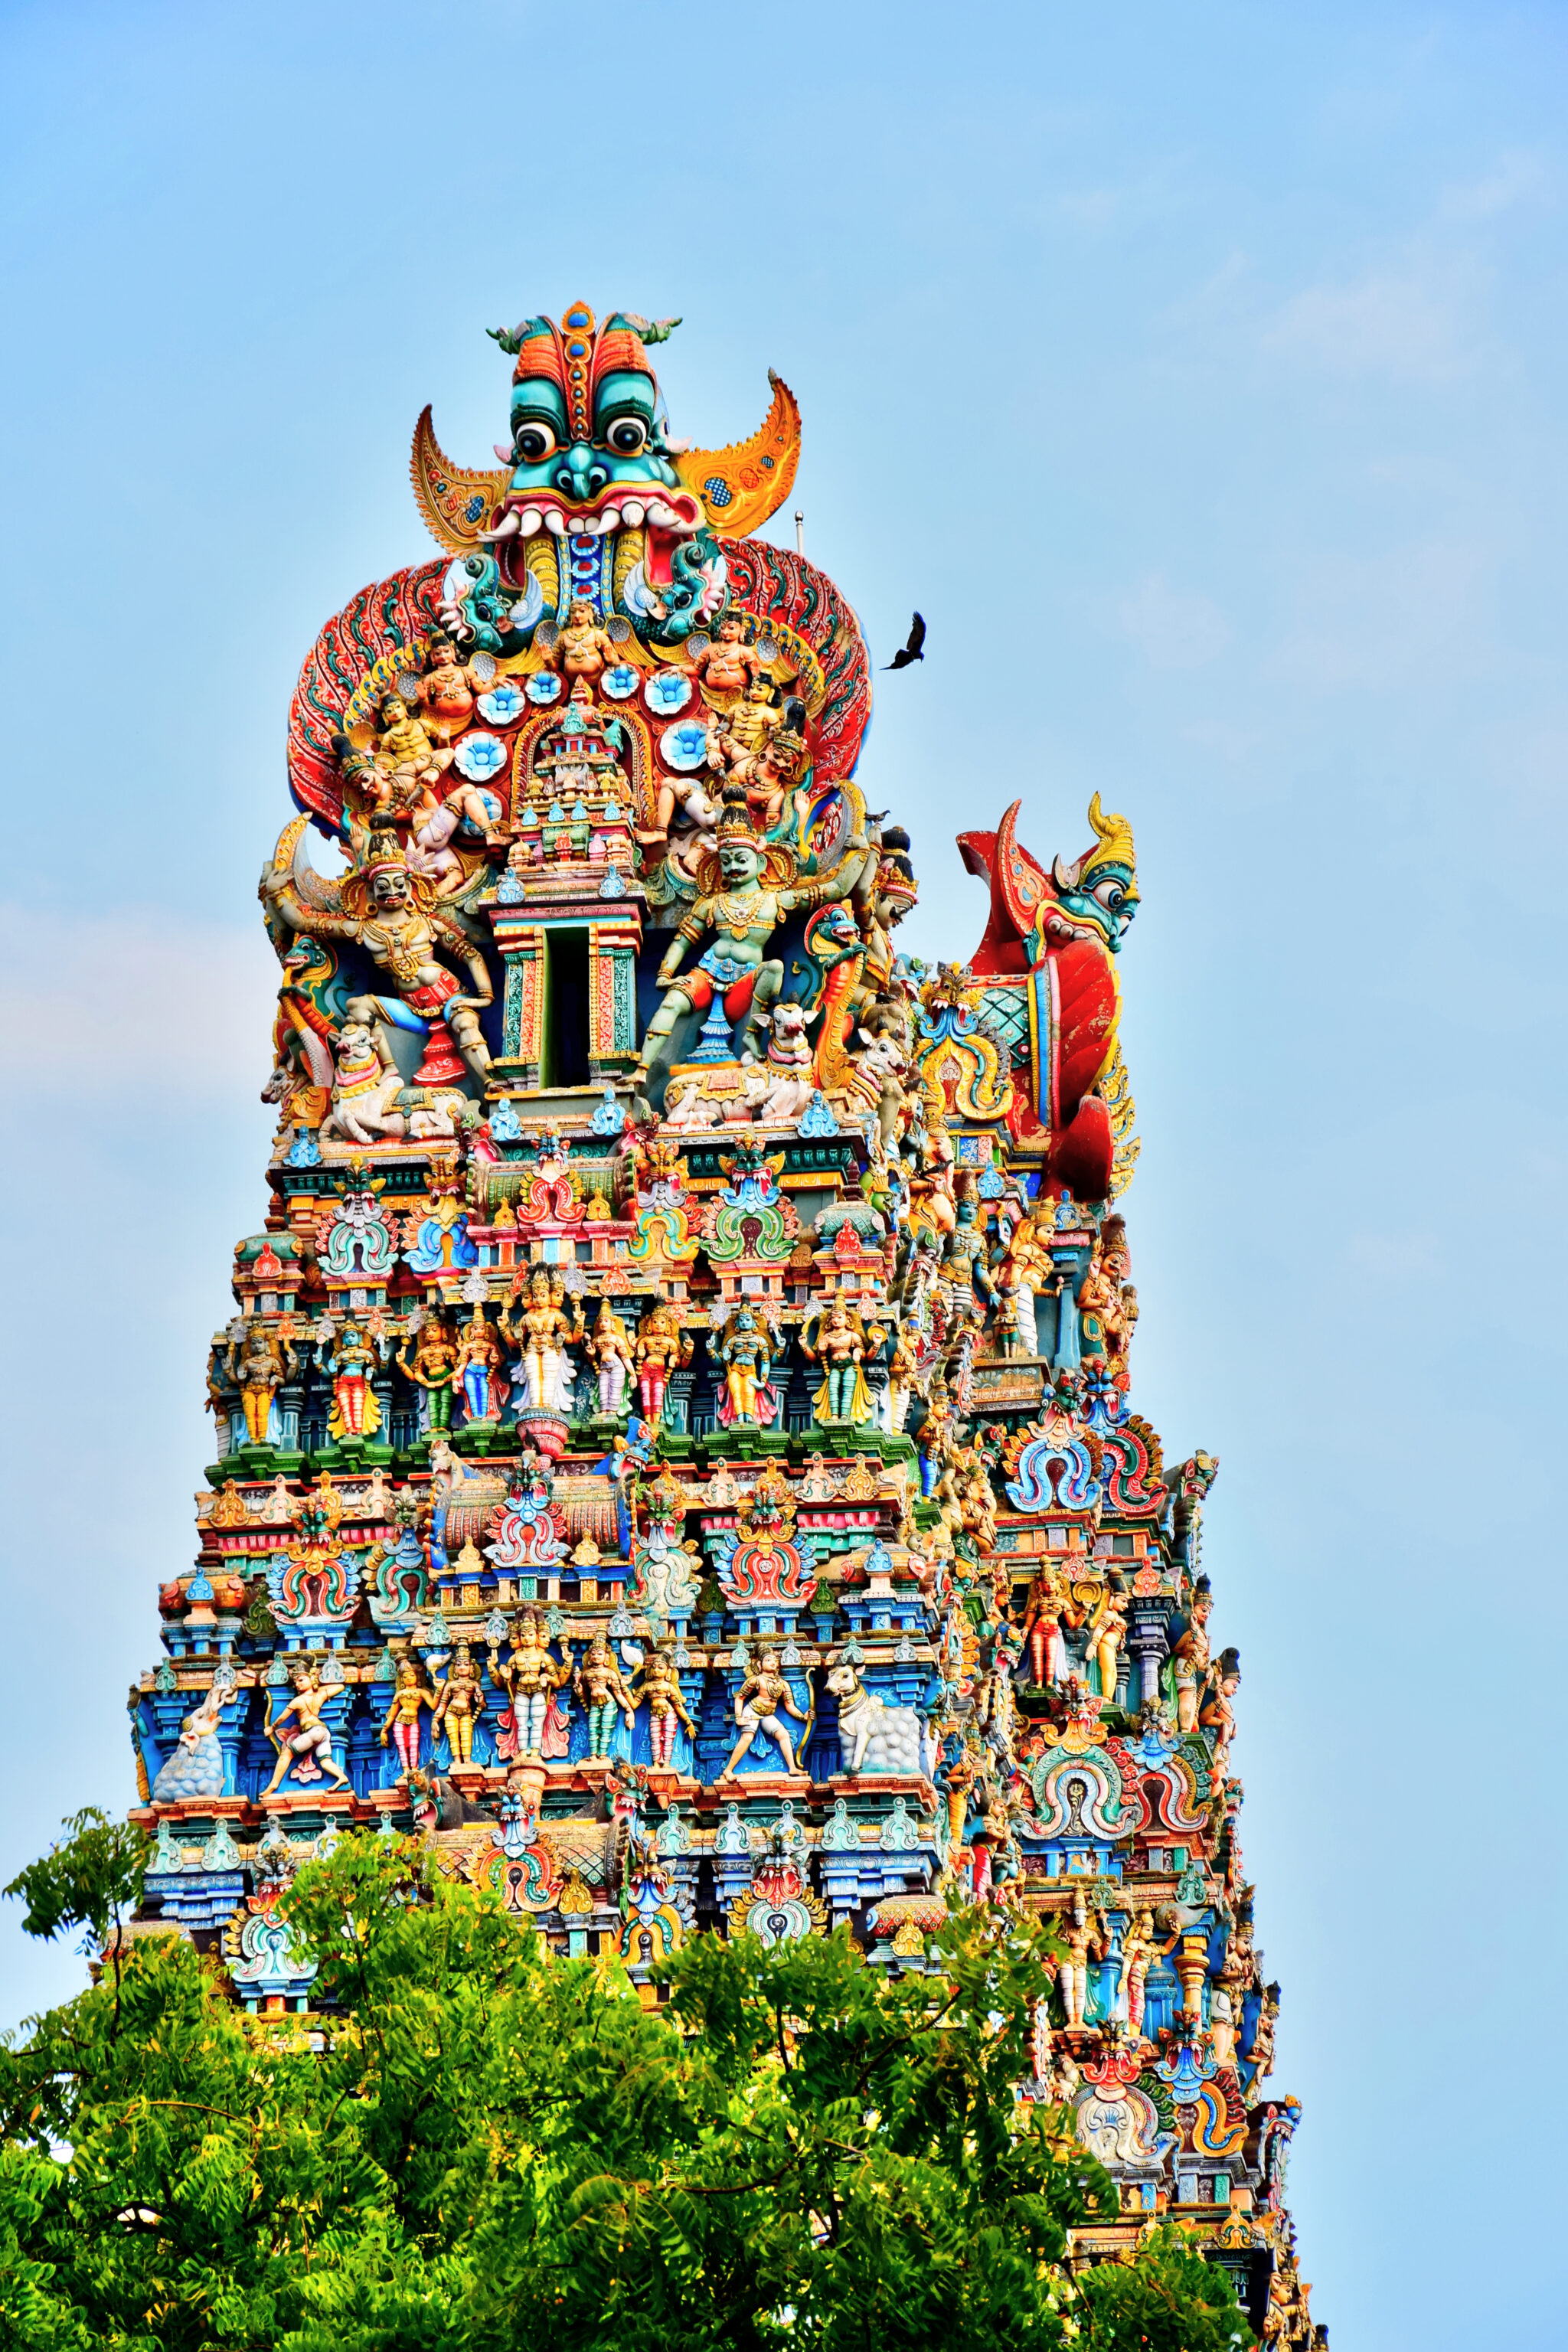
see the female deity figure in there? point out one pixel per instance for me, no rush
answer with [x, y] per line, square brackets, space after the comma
[746, 1354]
[1190, 1658]
[1026, 1270]
[840, 1348]
[611, 1350]
[902, 1369]
[401, 1719]
[460, 1704]
[660, 1348]
[1044, 1646]
[599, 1684]
[196, 1767]
[434, 1368]
[1215, 1715]
[1137, 1944]
[469, 814]
[355, 1411]
[657, 1682]
[307, 1749]
[532, 1677]
[260, 1363]
[477, 1366]
[545, 1328]
[1106, 1633]
[758, 1705]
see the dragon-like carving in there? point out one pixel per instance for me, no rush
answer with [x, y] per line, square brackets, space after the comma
[1059, 933]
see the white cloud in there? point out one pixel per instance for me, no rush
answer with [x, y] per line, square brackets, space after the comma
[1383, 325]
[1515, 179]
[96, 1007]
[1173, 628]
[1222, 740]
[1418, 612]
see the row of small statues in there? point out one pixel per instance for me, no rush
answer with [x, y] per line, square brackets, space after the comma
[534, 1335]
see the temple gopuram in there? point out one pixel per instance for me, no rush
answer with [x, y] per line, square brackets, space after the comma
[674, 1449]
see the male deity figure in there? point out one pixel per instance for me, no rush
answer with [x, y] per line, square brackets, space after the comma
[476, 1365]
[1078, 1933]
[449, 689]
[758, 1705]
[404, 748]
[728, 665]
[582, 650]
[746, 1353]
[744, 732]
[1215, 1714]
[742, 918]
[260, 1363]
[532, 1676]
[310, 1738]
[393, 915]
[1190, 1657]
[542, 1329]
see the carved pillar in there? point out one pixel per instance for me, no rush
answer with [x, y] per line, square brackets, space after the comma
[1148, 1643]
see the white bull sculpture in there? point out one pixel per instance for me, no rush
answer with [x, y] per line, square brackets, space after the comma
[872, 1735]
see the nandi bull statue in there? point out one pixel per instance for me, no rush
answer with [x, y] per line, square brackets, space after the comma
[872, 1735]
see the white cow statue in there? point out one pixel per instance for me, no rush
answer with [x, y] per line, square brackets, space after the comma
[872, 1735]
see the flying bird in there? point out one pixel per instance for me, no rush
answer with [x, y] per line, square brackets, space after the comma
[913, 651]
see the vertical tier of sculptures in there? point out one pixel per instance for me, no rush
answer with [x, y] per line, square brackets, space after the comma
[673, 1442]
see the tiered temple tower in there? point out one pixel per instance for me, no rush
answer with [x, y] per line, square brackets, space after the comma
[674, 1447]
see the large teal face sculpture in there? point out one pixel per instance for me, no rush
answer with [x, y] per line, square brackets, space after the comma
[585, 415]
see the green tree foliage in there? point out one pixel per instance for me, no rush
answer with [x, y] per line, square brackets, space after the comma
[473, 2144]
[91, 1879]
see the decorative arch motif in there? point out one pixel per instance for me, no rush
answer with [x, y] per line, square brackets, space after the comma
[1097, 1810]
[1055, 1473]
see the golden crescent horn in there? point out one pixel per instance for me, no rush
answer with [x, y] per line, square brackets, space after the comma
[444, 492]
[742, 485]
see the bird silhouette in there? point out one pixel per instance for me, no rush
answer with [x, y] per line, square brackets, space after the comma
[912, 652]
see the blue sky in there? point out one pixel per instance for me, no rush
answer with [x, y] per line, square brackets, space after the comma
[1199, 371]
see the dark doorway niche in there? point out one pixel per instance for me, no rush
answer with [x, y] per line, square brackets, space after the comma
[566, 1009]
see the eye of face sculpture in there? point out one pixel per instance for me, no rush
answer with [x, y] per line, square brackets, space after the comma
[1114, 892]
[1107, 898]
[619, 442]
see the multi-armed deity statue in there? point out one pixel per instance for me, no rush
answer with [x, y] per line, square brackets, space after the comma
[677, 1405]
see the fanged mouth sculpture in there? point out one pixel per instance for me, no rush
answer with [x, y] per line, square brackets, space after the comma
[630, 507]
